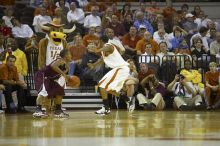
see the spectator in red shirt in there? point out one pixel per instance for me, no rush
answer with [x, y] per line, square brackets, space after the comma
[5, 30]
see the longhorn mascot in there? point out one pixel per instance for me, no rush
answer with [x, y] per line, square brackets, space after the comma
[49, 51]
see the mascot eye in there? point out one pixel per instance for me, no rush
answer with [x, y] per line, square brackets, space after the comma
[54, 34]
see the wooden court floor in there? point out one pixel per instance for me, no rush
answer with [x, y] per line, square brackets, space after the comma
[120, 128]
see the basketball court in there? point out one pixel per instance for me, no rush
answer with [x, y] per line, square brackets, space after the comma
[120, 128]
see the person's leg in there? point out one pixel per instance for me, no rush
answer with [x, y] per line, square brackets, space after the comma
[130, 89]
[21, 98]
[8, 98]
[181, 104]
[158, 102]
[217, 100]
[141, 99]
[208, 97]
[58, 112]
[105, 109]
[104, 95]
[72, 67]
[197, 100]
[42, 109]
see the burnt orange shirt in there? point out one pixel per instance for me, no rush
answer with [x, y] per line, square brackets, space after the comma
[77, 51]
[142, 75]
[212, 78]
[127, 40]
[90, 39]
[141, 46]
[7, 2]
[8, 73]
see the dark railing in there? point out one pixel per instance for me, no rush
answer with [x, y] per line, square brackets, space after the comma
[166, 67]
[32, 57]
[170, 65]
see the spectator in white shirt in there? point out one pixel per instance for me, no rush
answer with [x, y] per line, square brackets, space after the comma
[164, 51]
[202, 34]
[41, 19]
[21, 30]
[93, 18]
[75, 14]
[62, 3]
[82, 3]
[215, 47]
[147, 56]
[162, 36]
[8, 16]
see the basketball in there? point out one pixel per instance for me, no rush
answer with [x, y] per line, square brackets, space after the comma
[74, 81]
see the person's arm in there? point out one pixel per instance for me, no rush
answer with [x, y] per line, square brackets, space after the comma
[105, 48]
[190, 89]
[24, 65]
[69, 19]
[213, 49]
[81, 16]
[55, 66]
[86, 22]
[145, 80]
[30, 31]
[207, 84]
[42, 53]
[2, 87]
[170, 86]
[97, 63]
[185, 33]
[9, 82]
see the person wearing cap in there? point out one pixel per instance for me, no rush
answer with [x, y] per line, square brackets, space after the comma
[142, 29]
[140, 20]
[190, 26]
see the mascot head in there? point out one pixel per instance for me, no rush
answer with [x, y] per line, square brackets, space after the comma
[56, 31]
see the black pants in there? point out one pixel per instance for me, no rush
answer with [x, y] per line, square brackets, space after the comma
[20, 95]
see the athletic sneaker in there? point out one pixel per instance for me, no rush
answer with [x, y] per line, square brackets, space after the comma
[103, 111]
[40, 113]
[1, 111]
[60, 114]
[131, 104]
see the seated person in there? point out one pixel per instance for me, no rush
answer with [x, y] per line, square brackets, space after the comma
[185, 94]
[155, 91]
[212, 86]
[193, 76]
[10, 79]
[130, 86]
